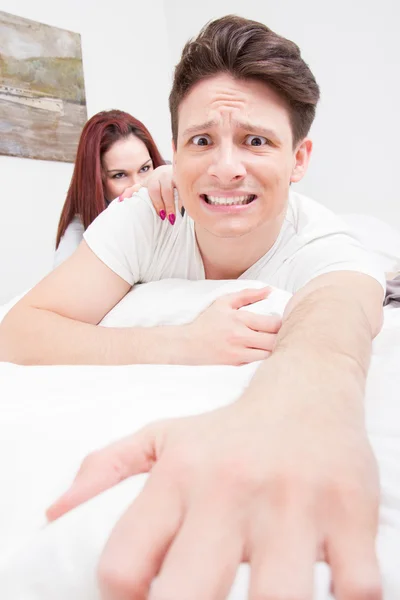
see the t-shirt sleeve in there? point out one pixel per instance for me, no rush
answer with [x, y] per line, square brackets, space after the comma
[123, 235]
[331, 252]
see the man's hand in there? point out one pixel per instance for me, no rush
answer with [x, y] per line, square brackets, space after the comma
[278, 486]
[160, 186]
[225, 335]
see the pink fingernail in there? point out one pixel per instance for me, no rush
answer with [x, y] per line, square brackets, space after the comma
[120, 198]
[171, 218]
[163, 214]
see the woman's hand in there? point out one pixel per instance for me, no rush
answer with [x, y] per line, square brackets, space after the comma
[160, 185]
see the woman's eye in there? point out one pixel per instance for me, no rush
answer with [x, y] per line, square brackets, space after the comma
[118, 175]
[201, 140]
[145, 169]
[256, 140]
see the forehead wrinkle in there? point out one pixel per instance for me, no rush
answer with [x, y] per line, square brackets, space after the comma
[227, 103]
[213, 121]
[226, 116]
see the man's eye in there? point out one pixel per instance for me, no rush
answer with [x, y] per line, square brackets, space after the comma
[256, 140]
[201, 140]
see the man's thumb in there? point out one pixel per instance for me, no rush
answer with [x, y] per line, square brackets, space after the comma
[107, 467]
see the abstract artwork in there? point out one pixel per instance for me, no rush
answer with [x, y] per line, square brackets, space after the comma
[42, 90]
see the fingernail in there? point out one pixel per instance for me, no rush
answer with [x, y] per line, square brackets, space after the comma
[163, 214]
[171, 218]
[120, 198]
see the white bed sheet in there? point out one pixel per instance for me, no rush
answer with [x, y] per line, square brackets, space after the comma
[51, 417]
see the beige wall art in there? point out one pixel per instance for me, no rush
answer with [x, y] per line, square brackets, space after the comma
[42, 90]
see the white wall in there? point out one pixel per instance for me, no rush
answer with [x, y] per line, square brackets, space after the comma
[353, 50]
[126, 66]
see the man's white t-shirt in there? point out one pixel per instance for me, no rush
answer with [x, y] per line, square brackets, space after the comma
[132, 240]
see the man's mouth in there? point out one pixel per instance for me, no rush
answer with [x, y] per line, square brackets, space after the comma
[228, 200]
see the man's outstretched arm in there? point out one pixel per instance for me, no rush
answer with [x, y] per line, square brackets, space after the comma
[330, 322]
[281, 478]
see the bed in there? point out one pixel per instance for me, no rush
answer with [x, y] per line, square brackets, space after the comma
[51, 417]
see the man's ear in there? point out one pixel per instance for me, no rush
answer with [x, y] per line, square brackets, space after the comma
[301, 159]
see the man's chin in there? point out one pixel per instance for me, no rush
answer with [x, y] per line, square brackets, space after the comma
[228, 232]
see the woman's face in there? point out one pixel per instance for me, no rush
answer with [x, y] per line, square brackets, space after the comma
[125, 163]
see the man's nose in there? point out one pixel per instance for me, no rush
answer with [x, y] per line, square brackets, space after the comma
[226, 165]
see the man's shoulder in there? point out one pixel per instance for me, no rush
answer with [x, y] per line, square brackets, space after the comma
[134, 222]
[321, 242]
[139, 201]
[134, 216]
[140, 210]
[131, 239]
[309, 217]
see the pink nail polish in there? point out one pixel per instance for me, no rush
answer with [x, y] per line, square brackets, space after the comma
[163, 214]
[171, 218]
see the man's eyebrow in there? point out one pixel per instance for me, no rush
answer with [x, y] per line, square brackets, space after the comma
[247, 126]
[255, 129]
[199, 127]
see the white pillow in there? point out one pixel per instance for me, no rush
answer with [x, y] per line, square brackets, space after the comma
[177, 301]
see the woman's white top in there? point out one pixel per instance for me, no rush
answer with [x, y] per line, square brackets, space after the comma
[70, 241]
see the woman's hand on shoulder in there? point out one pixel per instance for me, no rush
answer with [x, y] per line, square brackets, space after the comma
[160, 185]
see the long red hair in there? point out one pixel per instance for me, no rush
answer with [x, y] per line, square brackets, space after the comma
[85, 195]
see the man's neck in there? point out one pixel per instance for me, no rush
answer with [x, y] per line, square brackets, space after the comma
[230, 257]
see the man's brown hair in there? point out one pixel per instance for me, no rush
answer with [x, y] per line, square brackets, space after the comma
[248, 50]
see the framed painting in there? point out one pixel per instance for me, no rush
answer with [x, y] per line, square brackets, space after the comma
[42, 90]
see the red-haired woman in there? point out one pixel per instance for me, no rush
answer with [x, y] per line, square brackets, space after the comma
[115, 152]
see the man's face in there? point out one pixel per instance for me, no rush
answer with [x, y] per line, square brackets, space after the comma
[234, 158]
